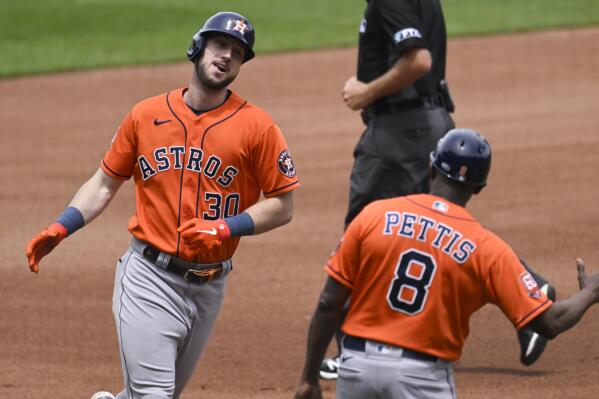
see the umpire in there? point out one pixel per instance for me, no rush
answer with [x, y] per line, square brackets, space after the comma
[401, 90]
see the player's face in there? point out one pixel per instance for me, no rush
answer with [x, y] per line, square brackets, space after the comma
[220, 64]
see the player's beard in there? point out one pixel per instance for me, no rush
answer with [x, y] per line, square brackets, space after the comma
[207, 81]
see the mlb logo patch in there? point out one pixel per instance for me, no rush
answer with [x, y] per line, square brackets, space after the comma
[440, 206]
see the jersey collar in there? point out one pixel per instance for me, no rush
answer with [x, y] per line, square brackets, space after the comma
[232, 103]
[440, 205]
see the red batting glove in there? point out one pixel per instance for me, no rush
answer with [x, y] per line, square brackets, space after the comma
[43, 243]
[203, 235]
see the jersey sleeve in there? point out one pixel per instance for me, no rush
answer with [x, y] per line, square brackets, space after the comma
[119, 160]
[344, 263]
[401, 22]
[515, 291]
[275, 168]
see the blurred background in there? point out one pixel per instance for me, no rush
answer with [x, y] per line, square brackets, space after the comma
[38, 36]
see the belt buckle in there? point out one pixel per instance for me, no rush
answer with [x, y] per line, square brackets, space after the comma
[204, 275]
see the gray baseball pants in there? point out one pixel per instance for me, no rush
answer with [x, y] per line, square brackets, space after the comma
[382, 372]
[163, 323]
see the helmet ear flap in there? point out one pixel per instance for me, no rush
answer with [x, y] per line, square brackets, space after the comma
[197, 45]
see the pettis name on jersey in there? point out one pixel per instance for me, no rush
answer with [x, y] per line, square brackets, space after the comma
[427, 229]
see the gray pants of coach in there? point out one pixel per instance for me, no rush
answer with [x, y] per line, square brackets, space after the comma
[163, 323]
[381, 372]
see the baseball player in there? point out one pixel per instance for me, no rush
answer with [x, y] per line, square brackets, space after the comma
[401, 90]
[417, 267]
[201, 157]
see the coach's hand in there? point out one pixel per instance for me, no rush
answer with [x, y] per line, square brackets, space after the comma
[308, 391]
[590, 282]
[43, 243]
[203, 235]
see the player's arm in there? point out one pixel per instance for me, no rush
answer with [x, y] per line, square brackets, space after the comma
[89, 201]
[563, 315]
[322, 327]
[95, 195]
[261, 217]
[271, 212]
[411, 66]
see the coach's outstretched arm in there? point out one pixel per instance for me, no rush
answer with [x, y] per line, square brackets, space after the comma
[89, 201]
[563, 315]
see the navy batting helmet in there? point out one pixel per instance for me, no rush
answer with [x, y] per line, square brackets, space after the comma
[226, 23]
[463, 155]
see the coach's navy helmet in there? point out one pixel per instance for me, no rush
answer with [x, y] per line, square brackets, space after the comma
[226, 23]
[463, 155]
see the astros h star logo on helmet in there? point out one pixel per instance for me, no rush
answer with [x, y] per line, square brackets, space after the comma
[240, 26]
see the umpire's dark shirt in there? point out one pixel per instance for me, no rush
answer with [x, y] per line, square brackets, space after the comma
[389, 28]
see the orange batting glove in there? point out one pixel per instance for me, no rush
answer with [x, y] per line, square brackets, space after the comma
[203, 235]
[43, 243]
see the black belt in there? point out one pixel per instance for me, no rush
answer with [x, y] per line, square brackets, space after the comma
[194, 272]
[384, 107]
[359, 344]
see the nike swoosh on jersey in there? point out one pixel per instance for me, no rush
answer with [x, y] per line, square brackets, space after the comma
[211, 232]
[158, 122]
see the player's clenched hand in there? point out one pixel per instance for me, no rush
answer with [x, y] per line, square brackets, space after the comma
[203, 235]
[308, 391]
[43, 243]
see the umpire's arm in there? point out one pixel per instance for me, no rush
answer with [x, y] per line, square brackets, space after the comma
[410, 67]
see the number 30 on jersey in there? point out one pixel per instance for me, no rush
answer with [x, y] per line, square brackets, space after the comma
[413, 276]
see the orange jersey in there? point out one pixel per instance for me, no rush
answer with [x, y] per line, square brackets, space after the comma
[185, 166]
[419, 266]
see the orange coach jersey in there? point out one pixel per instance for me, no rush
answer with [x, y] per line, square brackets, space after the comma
[419, 266]
[185, 166]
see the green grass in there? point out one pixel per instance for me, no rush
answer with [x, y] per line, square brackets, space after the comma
[476, 17]
[39, 36]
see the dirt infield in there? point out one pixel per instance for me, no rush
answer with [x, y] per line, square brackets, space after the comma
[534, 96]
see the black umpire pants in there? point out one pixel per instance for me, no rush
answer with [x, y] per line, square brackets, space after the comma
[392, 157]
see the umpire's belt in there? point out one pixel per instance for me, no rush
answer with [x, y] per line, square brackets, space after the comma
[364, 345]
[190, 271]
[383, 107]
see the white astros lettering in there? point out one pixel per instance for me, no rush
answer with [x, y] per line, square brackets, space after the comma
[418, 227]
[173, 157]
